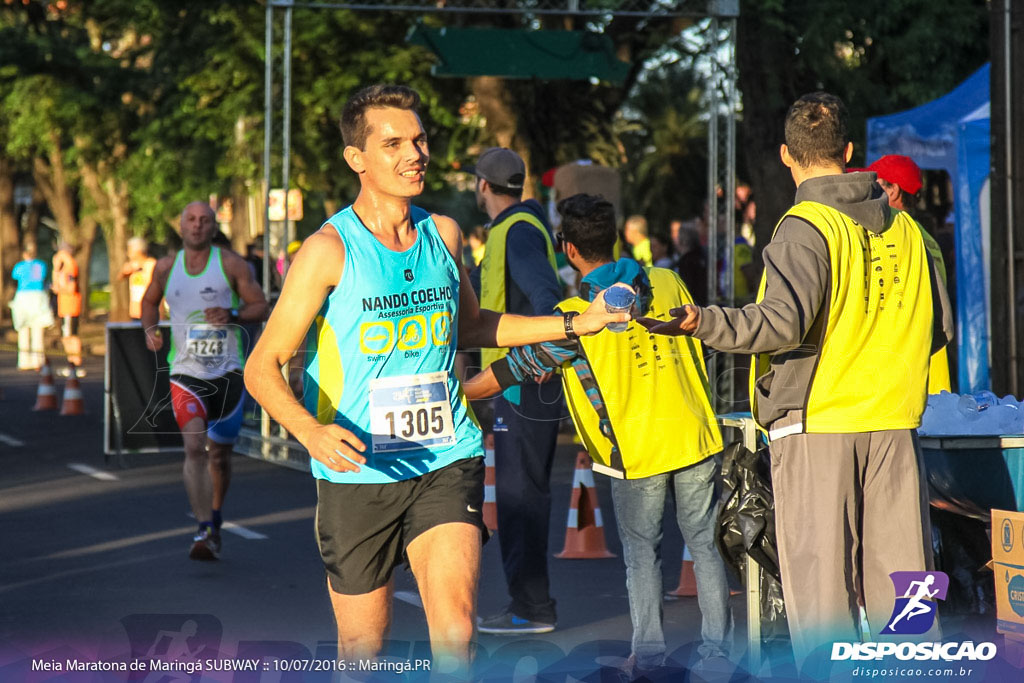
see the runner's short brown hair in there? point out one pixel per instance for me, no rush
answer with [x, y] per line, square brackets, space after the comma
[354, 129]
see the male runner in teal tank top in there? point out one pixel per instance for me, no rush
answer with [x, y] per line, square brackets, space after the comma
[380, 297]
[209, 291]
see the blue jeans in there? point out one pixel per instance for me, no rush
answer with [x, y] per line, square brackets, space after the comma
[639, 507]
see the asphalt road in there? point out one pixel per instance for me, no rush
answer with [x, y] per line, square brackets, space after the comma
[94, 570]
[95, 564]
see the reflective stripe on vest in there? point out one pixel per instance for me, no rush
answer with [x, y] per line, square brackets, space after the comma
[492, 270]
[872, 369]
[637, 435]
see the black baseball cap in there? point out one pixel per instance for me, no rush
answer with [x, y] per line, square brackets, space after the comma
[500, 166]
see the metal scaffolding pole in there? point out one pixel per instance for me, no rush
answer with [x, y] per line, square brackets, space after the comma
[1011, 250]
[715, 361]
[268, 139]
[286, 123]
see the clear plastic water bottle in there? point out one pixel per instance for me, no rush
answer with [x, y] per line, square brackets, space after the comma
[968, 407]
[618, 299]
[986, 399]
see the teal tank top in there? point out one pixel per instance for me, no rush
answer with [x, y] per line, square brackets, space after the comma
[380, 356]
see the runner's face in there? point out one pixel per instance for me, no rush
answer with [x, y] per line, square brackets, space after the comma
[396, 154]
[197, 226]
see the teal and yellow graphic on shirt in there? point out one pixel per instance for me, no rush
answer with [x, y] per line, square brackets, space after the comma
[412, 333]
[441, 328]
[390, 322]
[376, 337]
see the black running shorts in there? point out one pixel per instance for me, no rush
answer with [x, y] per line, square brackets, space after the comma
[363, 530]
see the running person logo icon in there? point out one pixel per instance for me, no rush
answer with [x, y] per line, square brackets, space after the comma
[916, 593]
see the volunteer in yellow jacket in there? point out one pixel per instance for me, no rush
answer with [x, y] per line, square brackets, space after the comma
[518, 275]
[900, 178]
[645, 447]
[849, 311]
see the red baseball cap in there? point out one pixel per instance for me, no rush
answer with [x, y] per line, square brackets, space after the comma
[898, 170]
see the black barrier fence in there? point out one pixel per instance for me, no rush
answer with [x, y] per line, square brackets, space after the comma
[138, 417]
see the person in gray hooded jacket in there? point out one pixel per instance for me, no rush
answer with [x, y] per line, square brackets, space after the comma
[849, 310]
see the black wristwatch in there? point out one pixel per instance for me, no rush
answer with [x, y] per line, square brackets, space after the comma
[567, 321]
[233, 313]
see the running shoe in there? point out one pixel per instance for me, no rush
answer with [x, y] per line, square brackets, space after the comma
[214, 542]
[509, 624]
[204, 547]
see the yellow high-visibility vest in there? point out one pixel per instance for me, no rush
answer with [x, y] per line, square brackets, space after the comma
[492, 270]
[654, 389]
[872, 369]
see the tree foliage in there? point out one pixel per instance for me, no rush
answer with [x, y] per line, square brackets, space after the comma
[880, 56]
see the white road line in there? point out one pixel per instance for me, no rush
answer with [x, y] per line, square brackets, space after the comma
[92, 472]
[242, 531]
[10, 440]
[411, 597]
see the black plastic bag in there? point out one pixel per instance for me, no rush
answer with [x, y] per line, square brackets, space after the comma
[746, 523]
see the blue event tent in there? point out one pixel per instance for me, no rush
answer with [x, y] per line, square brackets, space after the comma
[952, 133]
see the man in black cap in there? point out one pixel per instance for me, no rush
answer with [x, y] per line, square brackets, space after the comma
[518, 275]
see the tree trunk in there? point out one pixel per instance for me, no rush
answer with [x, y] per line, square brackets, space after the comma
[10, 249]
[30, 234]
[51, 177]
[117, 247]
[239, 216]
[332, 206]
[495, 104]
[768, 91]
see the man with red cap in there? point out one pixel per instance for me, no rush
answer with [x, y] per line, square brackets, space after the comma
[900, 177]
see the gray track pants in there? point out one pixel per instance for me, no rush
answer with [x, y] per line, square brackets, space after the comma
[850, 509]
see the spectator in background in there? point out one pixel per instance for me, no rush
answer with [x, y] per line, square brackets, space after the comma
[254, 256]
[900, 178]
[692, 265]
[674, 226]
[139, 271]
[636, 237]
[284, 260]
[30, 309]
[69, 302]
[743, 270]
[662, 253]
[477, 244]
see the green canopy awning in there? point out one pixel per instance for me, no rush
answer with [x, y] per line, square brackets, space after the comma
[513, 53]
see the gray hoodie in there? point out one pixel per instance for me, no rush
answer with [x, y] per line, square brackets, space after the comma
[786, 323]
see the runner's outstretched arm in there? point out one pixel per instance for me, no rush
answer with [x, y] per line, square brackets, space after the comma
[481, 385]
[489, 329]
[316, 270]
[151, 303]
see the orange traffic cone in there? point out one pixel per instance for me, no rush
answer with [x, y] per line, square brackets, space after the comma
[687, 587]
[46, 394]
[73, 403]
[490, 498]
[584, 533]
